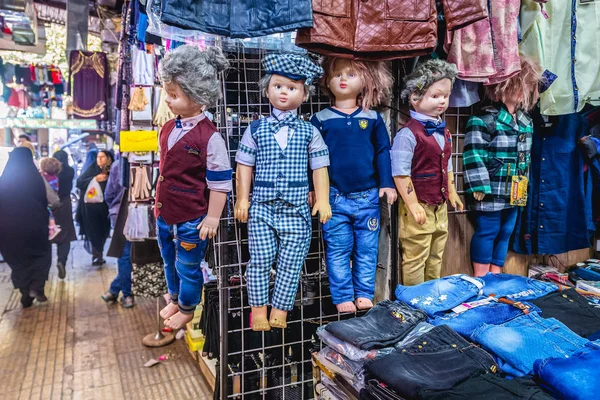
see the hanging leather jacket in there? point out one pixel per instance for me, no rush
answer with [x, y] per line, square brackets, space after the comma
[383, 29]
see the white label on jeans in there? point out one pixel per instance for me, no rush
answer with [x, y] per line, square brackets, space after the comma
[467, 306]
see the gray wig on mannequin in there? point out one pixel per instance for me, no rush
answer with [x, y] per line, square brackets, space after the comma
[196, 71]
[425, 75]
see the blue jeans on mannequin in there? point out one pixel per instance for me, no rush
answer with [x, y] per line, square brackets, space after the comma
[182, 251]
[490, 241]
[122, 282]
[352, 233]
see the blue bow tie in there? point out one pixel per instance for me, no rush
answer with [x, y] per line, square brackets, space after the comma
[290, 120]
[432, 127]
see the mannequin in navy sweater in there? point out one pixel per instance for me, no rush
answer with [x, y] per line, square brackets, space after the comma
[360, 174]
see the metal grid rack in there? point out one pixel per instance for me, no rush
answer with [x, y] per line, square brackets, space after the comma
[277, 364]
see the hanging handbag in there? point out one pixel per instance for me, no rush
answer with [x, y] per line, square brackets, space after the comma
[148, 280]
[93, 193]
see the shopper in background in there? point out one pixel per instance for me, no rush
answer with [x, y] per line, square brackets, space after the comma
[22, 139]
[93, 220]
[49, 168]
[115, 194]
[64, 213]
[24, 234]
[90, 157]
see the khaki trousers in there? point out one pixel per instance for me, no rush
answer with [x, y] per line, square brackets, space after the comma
[422, 245]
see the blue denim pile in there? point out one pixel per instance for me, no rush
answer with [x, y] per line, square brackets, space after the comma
[495, 337]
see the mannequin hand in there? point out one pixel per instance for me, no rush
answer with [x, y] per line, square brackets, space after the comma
[418, 213]
[390, 193]
[324, 210]
[455, 201]
[101, 177]
[311, 199]
[240, 211]
[479, 196]
[208, 227]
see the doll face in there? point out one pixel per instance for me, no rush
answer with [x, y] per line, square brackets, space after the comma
[284, 93]
[435, 101]
[179, 102]
[345, 81]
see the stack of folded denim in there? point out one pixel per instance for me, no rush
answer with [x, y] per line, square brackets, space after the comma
[440, 295]
[460, 337]
[384, 325]
[573, 310]
[575, 377]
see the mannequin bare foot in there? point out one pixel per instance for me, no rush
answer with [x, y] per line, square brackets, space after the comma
[259, 319]
[494, 269]
[346, 307]
[363, 303]
[178, 320]
[170, 310]
[480, 269]
[278, 318]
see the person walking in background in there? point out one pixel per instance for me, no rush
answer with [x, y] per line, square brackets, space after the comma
[120, 247]
[24, 235]
[64, 213]
[49, 168]
[94, 224]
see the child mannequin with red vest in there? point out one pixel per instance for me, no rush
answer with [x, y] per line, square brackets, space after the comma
[195, 175]
[422, 170]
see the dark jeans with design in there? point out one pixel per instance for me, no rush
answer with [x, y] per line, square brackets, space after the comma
[384, 325]
[182, 252]
[438, 360]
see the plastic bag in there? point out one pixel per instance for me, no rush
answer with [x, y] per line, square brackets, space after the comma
[93, 193]
[137, 227]
[350, 351]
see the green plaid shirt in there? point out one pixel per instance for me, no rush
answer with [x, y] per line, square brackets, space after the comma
[496, 148]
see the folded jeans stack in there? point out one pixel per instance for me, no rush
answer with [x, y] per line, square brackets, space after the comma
[493, 313]
[384, 325]
[573, 378]
[490, 387]
[440, 295]
[439, 360]
[521, 341]
[573, 310]
[515, 287]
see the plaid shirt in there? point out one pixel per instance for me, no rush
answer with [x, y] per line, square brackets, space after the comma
[496, 148]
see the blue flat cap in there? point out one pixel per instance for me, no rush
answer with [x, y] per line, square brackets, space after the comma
[293, 66]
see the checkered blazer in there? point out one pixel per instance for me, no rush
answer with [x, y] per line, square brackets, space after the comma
[282, 174]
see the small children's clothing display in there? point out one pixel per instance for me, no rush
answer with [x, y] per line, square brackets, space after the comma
[422, 150]
[279, 223]
[496, 155]
[193, 161]
[358, 146]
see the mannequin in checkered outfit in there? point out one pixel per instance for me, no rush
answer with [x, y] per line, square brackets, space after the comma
[281, 147]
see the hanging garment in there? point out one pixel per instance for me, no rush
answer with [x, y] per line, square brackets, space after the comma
[566, 44]
[89, 84]
[143, 67]
[139, 101]
[488, 50]
[163, 113]
[558, 215]
[18, 97]
[237, 18]
[383, 29]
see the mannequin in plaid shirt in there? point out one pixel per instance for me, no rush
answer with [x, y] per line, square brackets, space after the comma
[497, 148]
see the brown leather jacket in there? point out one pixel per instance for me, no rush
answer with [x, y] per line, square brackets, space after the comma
[383, 29]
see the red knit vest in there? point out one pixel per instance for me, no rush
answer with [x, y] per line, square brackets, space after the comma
[182, 192]
[429, 171]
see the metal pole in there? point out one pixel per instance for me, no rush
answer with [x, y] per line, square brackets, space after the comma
[159, 335]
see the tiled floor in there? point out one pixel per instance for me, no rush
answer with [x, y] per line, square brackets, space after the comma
[77, 347]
